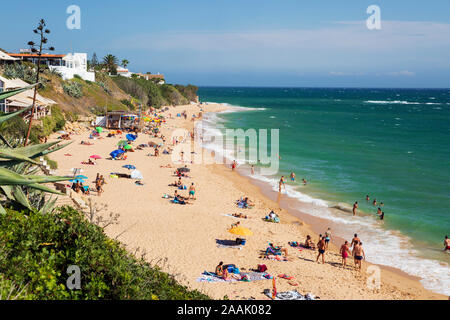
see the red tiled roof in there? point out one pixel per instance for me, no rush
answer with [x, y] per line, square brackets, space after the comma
[35, 55]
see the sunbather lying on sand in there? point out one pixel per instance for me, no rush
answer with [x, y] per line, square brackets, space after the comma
[86, 143]
[239, 215]
[166, 166]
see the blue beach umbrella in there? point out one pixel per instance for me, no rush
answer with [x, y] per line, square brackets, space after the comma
[129, 166]
[81, 177]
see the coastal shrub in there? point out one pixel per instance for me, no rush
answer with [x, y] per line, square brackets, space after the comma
[73, 89]
[190, 91]
[53, 123]
[16, 129]
[36, 250]
[172, 95]
[21, 71]
[104, 86]
[128, 103]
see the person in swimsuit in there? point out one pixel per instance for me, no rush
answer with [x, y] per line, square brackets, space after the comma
[355, 206]
[327, 237]
[355, 240]
[253, 169]
[345, 252]
[367, 198]
[379, 210]
[304, 181]
[192, 191]
[359, 255]
[219, 269]
[281, 183]
[374, 202]
[292, 176]
[446, 243]
[382, 215]
[321, 246]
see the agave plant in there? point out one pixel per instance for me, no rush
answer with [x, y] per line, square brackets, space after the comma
[18, 169]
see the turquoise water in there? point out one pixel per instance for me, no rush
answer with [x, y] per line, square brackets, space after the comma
[390, 144]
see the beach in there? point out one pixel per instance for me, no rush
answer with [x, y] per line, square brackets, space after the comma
[182, 239]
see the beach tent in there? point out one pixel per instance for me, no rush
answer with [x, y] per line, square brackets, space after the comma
[131, 137]
[136, 175]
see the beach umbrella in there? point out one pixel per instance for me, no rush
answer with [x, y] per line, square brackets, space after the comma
[81, 177]
[77, 180]
[131, 137]
[136, 175]
[128, 147]
[129, 166]
[241, 231]
[96, 157]
[184, 169]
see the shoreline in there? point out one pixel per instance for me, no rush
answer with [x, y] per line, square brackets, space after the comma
[181, 238]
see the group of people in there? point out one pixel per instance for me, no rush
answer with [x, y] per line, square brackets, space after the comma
[380, 212]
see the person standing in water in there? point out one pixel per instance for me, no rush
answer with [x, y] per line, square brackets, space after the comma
[374, 202]
[382, 215]
[446, 243]
[253, 169]
[304, 181]
[367, 198]
[379, 211]
[281, 183]
[355, 206]
[292, 176]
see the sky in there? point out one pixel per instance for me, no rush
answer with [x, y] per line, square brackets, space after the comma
[291, 43]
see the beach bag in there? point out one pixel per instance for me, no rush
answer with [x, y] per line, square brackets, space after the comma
[262, 268]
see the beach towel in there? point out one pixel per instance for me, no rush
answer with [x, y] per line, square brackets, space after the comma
[235, 246]
[243, 276]
[290, 295]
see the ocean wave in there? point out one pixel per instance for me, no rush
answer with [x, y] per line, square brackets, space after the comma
[390, 102]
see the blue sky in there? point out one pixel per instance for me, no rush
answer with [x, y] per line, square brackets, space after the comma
[253, 43]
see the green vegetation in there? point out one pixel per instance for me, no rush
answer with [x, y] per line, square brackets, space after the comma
[73, 89]
[38, 248]
[21, 71]
[53, 123]
[155, 95]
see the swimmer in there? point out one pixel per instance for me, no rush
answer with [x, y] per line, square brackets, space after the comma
[304, 181]
[367, 198]
[292, 176]
[374, 202]
[355, 206]
[446, 243]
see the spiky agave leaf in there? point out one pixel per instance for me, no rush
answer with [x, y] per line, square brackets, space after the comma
[10, 93]
[12, 154]
[8, 177]
[8, 116]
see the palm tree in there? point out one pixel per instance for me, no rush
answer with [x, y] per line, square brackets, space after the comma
[110, 61]
[125, 63]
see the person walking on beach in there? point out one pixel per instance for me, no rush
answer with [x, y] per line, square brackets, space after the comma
[327, 237]
[192, 191]
[281, 183]
[359, 255]
[355, 206]
[321, 247]
[253, 169]
[446, 243]
[233, 165]
[345, 252]
[355, 240]
[292, 176]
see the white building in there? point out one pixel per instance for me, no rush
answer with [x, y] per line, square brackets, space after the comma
[123, 72]
[73, 64]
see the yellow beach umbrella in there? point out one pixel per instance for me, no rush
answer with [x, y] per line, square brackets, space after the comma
[241, 231]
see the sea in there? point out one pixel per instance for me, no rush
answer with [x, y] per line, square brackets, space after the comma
[390, 144]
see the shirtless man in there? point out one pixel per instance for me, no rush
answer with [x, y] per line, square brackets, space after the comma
[281, 183]
[355, 206]
[345, 252]
[374, 202]
[321, 246]
[379, 210]
[446, 243]
[355, 240]
[367, 198]
[359, 255]
[192, 191]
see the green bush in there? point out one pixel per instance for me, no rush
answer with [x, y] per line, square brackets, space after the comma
[73, 89]
[53, 123]
[36, 250]
[128, 103]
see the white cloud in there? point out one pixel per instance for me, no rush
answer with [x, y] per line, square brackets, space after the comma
[401, 73]
[346, 45]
